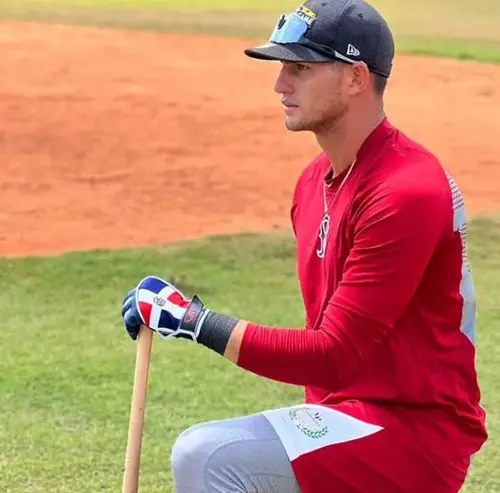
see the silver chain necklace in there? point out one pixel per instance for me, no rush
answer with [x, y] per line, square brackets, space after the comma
[325, 221]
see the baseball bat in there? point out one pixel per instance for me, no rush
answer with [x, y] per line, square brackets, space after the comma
[137, 410]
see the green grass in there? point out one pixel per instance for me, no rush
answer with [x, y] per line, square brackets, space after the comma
[452, 28]
[66, 364]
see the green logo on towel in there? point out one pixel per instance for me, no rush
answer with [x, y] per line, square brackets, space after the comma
[308, 422]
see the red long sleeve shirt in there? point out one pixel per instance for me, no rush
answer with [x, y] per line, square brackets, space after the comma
[390, 308]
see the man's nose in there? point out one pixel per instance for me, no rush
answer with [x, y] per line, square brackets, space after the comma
[283, 84]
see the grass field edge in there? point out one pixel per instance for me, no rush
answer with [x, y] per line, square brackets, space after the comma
[126, 20]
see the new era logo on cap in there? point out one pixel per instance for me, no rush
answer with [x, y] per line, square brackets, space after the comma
[352, 51]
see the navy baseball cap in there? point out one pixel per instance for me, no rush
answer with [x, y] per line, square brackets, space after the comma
[328, 30]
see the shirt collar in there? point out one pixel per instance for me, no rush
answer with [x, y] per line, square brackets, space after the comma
[378, 135]
[372, 143]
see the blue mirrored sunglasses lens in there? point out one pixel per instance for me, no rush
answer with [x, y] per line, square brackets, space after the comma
[289, 30]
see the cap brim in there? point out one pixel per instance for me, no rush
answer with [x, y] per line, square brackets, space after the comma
[290, 52]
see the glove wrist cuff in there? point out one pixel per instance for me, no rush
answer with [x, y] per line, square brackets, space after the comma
[213, 330]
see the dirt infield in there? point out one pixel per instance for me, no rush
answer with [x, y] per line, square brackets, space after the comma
[114, 138]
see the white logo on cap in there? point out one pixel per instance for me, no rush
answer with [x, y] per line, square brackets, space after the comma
[352, 50]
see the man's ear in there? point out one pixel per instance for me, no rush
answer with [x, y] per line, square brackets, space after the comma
[360, 78]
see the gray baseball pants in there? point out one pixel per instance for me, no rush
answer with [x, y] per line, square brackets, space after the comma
[240, 455]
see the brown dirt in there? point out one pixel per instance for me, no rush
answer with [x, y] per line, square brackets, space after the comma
[113, 138]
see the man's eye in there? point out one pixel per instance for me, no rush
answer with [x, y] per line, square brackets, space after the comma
[301, 67]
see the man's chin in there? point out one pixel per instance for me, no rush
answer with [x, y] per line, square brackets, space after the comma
[296, 125]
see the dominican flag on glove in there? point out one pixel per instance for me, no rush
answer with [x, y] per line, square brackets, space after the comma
[160, 305]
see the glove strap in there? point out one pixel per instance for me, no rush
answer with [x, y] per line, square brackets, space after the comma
[213, 330]
[193, 318]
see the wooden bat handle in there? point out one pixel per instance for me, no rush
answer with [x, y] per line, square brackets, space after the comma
[136, 424]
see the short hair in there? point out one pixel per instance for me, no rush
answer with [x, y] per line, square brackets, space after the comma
[379, 84]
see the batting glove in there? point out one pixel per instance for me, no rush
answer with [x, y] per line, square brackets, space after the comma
[159, 305]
